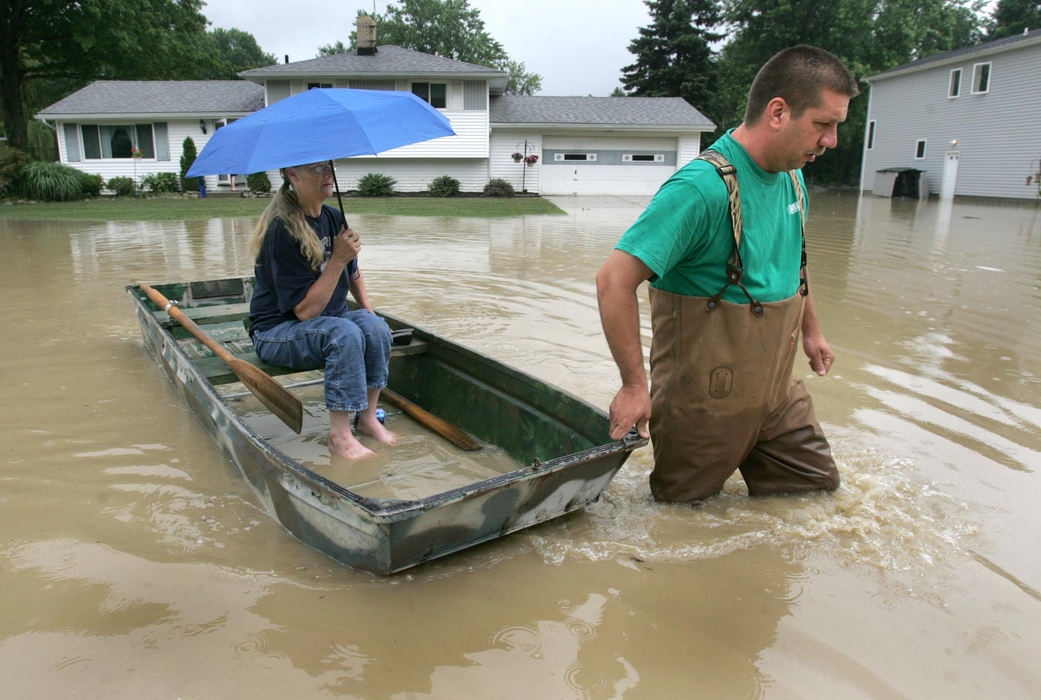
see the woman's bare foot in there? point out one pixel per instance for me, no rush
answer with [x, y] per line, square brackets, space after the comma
[347, 446]
[342, 441]
[370, 425]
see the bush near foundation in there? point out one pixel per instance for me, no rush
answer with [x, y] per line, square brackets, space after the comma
[122, 186]
[444, 186]
[51, 182]
[161, 183]
[376, 185]
[259, 183]
[498, 188]
[91, 184]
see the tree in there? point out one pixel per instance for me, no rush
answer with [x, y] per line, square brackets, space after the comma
[1012, 17]
[674, 57]
[453, 29]
[188, 156]
[332, 49]
[235, 51]
[870, 36]
[520, 82]
[449, 28]
[89, 39]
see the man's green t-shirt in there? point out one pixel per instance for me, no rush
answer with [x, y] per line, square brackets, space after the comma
[685, 236]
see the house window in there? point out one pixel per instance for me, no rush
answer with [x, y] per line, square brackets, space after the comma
[434, 93]
[955, 84]
[643, 157]
[871, 134]
[117, 140]
[574, 156]
[980, 78]
[311, 86]
[919, 149]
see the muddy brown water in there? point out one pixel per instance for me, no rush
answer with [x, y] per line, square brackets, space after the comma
[136, 563]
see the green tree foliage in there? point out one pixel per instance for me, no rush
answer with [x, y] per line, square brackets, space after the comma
[1012, 17]
[449, 28]
[81, 41]
[235, 50]
[674, 55]
[520, 81]
[870, 36]
[188, 156]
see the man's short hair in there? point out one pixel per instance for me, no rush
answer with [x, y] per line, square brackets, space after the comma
[798, 74]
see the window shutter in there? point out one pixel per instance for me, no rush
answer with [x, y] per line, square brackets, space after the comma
[72, 144]
[162, 141]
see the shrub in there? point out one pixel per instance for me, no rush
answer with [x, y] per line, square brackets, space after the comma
[12, 162]
[498, 188]
[91, 184]
[160, 182]
[51, 182]
[258, 183]
[122, 186]
[376, 185]
[444, 186]
[188, 155]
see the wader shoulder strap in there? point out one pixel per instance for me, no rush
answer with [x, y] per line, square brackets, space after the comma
[735, 270]
[804, 285]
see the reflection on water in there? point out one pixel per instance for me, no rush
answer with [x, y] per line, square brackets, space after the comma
[134, 557]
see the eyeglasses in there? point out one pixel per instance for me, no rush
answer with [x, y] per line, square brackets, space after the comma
[320, 168]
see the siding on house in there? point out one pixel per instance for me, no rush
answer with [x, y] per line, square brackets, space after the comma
[412, 175]
[506, 142]
[998, 134]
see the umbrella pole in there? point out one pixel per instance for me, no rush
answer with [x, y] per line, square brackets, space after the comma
[352, 267]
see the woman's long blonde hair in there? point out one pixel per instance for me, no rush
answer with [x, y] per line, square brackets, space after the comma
[285, 206]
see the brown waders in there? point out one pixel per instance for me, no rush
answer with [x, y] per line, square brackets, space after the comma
[722, 392]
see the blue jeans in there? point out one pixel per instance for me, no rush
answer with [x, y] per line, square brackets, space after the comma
[354, 349]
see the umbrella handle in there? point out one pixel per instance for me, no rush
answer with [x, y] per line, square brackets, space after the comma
[352, 266]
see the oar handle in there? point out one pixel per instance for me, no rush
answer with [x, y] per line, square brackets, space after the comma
[188, 324]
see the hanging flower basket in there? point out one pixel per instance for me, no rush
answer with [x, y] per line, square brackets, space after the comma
[517, 157]
[532, 159]
[136, 153]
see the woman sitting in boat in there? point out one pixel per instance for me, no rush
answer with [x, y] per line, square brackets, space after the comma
[306, 263]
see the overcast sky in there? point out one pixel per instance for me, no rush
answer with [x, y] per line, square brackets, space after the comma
[578, 46]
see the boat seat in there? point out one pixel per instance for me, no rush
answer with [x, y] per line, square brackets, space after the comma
[218, 372]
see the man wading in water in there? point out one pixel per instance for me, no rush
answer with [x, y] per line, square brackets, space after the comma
[729, 296]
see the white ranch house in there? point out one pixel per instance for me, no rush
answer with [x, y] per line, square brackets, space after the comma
[967, 118]
[584, 145]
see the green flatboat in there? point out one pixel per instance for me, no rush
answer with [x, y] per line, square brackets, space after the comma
[543, 452]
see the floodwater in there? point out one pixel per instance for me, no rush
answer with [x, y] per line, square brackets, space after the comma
[136, 563]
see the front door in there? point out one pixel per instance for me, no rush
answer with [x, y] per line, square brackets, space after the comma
[950, 175]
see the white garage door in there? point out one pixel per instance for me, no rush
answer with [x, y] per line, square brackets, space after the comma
[605, 165]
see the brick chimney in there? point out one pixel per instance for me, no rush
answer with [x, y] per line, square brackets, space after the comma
[366, 27]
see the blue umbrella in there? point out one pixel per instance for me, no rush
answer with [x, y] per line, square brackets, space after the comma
[317, 125]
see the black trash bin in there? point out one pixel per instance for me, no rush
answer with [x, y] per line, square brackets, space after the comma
[900, 182]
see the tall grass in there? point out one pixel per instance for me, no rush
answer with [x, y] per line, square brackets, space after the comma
[51, 182]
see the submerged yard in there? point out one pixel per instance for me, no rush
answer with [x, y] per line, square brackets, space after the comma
[192, 208]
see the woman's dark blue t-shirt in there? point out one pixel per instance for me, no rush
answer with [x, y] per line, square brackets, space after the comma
[284, 274]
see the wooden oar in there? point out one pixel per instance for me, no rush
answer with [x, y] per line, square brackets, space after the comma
[438, 425]
[272, 394]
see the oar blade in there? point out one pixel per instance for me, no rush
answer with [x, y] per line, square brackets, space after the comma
[272, 394]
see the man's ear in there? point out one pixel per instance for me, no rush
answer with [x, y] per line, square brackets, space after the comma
[777, 111]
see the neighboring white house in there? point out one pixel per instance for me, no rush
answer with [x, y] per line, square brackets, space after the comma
[98, 125]
[968, 118]
[585, 145]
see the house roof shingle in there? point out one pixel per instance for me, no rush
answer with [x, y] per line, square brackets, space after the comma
[388, 60]
[996, 46]
[160, 97]
[598, 111]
